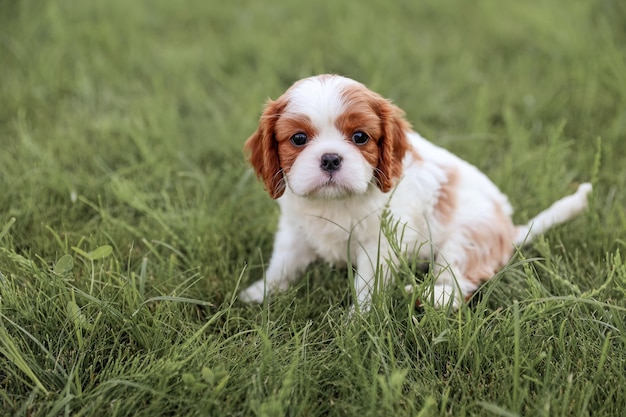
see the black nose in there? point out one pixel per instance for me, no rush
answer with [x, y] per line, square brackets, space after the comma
[330, 162]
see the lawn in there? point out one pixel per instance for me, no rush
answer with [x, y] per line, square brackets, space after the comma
[129, 218]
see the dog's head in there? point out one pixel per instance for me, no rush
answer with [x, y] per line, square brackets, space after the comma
[328, 137]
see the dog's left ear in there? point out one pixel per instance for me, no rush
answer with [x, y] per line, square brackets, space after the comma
[392, 145]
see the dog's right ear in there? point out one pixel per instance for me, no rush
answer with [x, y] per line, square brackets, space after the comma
[262, 148]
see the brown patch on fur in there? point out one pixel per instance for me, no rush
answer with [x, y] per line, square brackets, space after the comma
[416, 156]
[262, 147]
[285, 128]
[446, 203]
[361, 117]
[389, 131]
[491, 247]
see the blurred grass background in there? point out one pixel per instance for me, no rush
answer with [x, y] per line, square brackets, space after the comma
[128, 216]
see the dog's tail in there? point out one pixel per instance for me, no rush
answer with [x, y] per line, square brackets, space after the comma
[559, 212]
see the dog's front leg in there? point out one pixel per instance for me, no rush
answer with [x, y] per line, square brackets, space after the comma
[290, 256]
[371, 274]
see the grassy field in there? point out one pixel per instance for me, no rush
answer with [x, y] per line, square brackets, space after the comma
[129, 218]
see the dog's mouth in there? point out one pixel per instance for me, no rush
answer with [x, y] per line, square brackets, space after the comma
[331, 187]
[312, 182]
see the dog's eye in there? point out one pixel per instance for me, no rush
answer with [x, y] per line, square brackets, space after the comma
[299, 139]
[360, 138]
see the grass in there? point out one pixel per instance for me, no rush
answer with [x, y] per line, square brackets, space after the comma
[129, 218]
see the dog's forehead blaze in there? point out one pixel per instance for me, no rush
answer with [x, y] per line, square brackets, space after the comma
[318, 97]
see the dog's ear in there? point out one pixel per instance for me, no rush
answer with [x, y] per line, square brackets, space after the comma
[392, 145]
[262, 148]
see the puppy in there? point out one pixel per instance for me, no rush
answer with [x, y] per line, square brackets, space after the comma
[338, 157]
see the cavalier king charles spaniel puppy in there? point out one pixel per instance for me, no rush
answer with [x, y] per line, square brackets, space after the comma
[339, 157]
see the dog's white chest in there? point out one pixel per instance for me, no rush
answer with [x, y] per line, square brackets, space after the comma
[336, 230]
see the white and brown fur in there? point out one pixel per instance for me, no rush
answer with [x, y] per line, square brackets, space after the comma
[336, 155]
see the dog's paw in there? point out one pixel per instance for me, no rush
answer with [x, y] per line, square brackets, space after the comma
[255, 293]
[440, 296]
[445, 296]
[362, 310]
